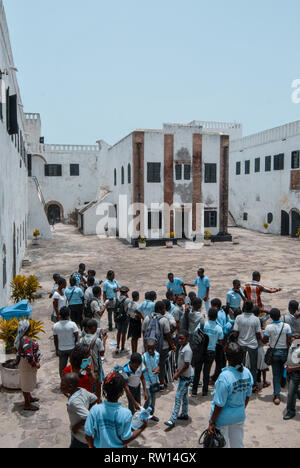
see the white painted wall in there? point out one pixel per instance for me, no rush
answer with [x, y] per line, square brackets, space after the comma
[37, 218]
[265, 192]
[13, 175]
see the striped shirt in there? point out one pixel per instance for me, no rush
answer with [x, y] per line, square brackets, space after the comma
[253, 291]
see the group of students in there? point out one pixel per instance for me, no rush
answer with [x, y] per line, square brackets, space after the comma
[173, 329]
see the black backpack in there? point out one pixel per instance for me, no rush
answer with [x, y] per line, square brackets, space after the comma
[121, 313]
[199, 342]
[88, 310]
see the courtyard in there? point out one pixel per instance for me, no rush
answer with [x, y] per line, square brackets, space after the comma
[278, 259]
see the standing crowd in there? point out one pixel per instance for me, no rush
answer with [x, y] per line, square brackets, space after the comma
[180, 340]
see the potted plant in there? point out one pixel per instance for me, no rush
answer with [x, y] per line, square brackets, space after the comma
[170, 243]
[207, 237]
[8, 331]
[24, 287]
[266, 225]
[142, 241]
[298, 233]
[36, 234]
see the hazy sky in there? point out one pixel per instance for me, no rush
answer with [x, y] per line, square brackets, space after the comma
[98, 70]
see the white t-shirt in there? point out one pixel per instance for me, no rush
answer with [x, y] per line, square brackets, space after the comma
[62, 300]
[272, 332]
[64, 330]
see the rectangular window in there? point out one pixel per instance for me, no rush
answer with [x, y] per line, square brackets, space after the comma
[247, 167]
[210, 219]
[53, 170]
[210, 173]
[153, 173]
[279, 162]
[238, 168]
[268, 163]
[295, 160]
[29, 165]
[74, 169]
[257, 165]
[178, 171]
[187, 172]
[12, 115]
[154, 220]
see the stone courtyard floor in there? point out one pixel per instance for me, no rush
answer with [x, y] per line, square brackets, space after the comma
[277, 258]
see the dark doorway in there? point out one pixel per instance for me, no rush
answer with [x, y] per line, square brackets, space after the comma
[53, 214]
[285, 223]
[295, 222]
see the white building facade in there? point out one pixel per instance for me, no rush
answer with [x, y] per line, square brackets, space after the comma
[265, 180]
[181, 166]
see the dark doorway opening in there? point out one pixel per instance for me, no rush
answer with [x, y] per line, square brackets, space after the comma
[53, 214]
[295, 222]
[285, 223]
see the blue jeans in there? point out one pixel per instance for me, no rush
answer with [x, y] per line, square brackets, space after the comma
[279, 359]
[182, 397]
[294, 383]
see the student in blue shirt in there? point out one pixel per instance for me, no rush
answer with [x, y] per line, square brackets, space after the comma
[75, 300]
[111, 288]
[151, 362]
[176, 285]
[203, 284]
[231, 397]
[234, 298]
[216, 336]
[148, 306]
[109, 424]
[226, 324]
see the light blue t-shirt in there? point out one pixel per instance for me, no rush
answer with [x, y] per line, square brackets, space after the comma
[234, 299]
[224, 321]
[74, 295]
[151, 363]
[109, 287]
[203, 284]
[109, 424]
[214, 332]
[231, 390]
[176, 286]
[146, 308]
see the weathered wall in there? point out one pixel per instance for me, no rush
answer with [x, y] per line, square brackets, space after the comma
[13, 178]
[258, 194]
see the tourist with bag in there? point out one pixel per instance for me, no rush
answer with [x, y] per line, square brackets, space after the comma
[278, 334]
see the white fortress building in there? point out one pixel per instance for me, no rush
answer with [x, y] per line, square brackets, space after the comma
[265, 180]
[181, 166]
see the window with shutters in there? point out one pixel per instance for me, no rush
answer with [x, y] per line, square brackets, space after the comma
[245, 217]
[268, 163]
[122, 176]
[153, 172]
[257, 165]
[279, 162]
[53, 170]
[238, 168]
[178, 171]
[12, 114]
[210, 174]
[295, 160]
[129, 174]
[210, 219]
[247, 167]
[187, 172]
[74, 170]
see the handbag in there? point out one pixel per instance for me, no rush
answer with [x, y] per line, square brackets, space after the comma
[270, 353]
[216, 440]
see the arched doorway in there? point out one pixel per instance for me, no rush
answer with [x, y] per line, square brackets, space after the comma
[295, 221]
[285, 223]
[54, 213]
